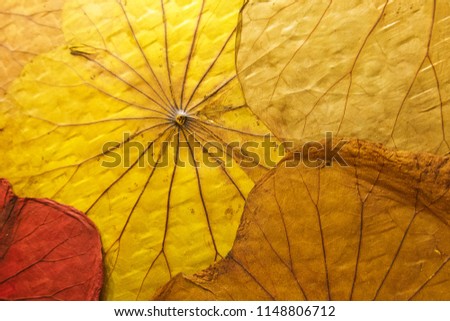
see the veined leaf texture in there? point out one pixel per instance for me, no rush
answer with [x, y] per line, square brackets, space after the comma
[137, 80]
[118, 100]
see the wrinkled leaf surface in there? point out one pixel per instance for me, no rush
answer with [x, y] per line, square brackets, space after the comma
[375, 230]
[27, 28]
[48, 251]
[129, 71]
[377, 70]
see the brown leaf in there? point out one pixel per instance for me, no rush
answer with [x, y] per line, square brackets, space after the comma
[377, 69]
[377, 229]
[48, 251]
[138, 75]
[27, 28]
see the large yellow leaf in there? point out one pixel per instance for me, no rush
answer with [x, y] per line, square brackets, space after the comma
[27, 28]
[377, 229]
[134, 76]
[373, 69]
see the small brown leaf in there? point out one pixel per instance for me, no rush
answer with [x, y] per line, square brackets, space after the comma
[377, 229]
[48, 251]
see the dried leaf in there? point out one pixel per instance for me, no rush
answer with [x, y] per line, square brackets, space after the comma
[134, 76]
[27, 28]
[377, 69]
[375, 230]
[48, 251]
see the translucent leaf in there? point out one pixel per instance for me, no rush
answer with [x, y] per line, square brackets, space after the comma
[134, 76]
[377, 70]
[27, 28]
[377, 229]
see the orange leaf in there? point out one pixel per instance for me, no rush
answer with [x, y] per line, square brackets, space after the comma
[377, 229]
[28, 28]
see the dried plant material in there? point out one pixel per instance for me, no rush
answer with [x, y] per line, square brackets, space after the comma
[377, 70]
[112, 122]
[375, 230]
[48, 251]
[27, 28]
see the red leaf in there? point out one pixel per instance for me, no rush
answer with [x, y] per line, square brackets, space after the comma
[48, 251]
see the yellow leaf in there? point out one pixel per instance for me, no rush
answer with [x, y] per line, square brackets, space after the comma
[135, 80]
[377, 229]
[27, 28]
[377, 69]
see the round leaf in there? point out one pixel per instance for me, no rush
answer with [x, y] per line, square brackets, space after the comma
[377, 229]
[150, 84]
[377, 70]
[48, 251]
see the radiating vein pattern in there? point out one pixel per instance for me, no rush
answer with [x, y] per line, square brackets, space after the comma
[119, 122]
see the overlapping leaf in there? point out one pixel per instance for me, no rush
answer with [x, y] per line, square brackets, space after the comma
[134, 76]
[375, 230]
[27, 28]
[377, 69]
[48, 251]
